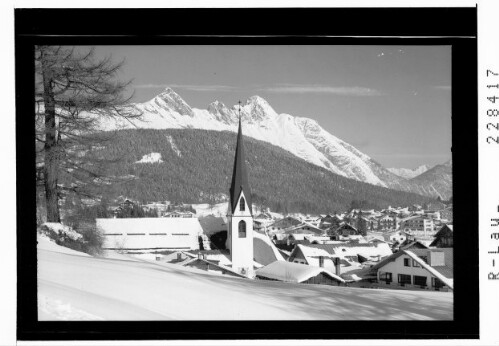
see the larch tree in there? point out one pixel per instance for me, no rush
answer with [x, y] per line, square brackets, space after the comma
[75, 94]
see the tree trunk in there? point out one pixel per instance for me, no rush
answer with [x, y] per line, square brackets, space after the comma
[51, 159]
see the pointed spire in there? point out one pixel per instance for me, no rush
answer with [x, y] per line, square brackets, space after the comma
[239, 174]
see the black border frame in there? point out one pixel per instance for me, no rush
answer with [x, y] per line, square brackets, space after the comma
[339, 26]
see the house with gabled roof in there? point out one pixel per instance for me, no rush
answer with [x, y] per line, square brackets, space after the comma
[298, 273]
[444, 237]
[429, 269]
[413, 244]
[345, 230]
[395, 236]
[283, 224]
[350, 255]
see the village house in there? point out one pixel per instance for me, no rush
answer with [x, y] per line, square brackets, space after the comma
[345, 230]
[298, 273]
[429, 269]
[350, 255]
[418, 226]
[374, 237]
[395, 236]
[303, 228]
[210, 265]
[387, 222]
[444, 238]
[330, 221]
[159, 208]
[446, 215]
[179, 214]
[283, 224]
[411, 244]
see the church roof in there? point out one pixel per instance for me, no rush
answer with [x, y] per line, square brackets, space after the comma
[240, 175]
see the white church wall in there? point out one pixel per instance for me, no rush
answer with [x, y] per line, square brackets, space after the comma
[241, 249]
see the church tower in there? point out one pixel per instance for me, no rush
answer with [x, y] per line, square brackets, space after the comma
[240, 214]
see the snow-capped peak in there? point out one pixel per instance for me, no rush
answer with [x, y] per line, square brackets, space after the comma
[171, 100]
[301, 136]
[409, 173]
[255, 99]
[257, 108]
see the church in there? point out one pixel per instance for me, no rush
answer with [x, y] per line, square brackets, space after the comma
[240, 214]
[246, 249]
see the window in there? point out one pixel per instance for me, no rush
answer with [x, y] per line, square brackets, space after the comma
[415, 264]
[386, 277]
[242, 205]
[420, 280]
[407, 262]
[404, 279]
[242, 229]
[437, 283]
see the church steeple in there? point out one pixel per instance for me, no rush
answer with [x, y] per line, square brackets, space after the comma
[239, 173]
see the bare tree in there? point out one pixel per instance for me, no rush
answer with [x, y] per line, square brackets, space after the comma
[74, 94]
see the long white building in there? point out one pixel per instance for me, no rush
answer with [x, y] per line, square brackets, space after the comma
[150, 233]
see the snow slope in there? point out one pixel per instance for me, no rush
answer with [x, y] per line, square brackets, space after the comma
[151, 158]
[73, 286]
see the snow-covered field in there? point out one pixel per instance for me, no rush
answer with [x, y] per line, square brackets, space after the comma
[75, 286]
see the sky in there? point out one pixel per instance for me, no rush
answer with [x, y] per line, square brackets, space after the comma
[391, 102]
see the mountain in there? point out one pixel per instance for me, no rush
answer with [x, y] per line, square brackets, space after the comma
[436, 180]
[303, 137]
[196, 167]
[409, 173]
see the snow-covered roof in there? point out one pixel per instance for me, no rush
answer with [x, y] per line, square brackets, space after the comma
[149, 233]
[342, 250]
[313, 251]
[222, 267]
[297, 236]
[319, 239]
[293, 272]
[150, 225]
[211, 224]
[264, 244]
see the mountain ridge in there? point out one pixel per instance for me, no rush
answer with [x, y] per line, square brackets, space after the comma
[303, 137]
[409, 173]
[195, 166]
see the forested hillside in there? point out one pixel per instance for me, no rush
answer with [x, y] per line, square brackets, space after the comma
[197, 165]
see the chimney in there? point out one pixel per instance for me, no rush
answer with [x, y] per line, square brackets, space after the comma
[179, 256]
[436, 258]
[200, 255]
[337, 266]
[321, 261]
